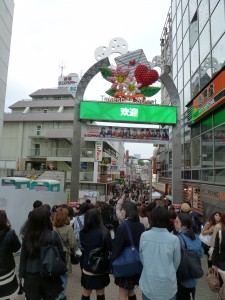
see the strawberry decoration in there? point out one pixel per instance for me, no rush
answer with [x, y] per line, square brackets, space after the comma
[145, 76]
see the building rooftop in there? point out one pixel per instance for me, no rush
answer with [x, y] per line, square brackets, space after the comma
[43, 103]
[51, 92]
[29, 117]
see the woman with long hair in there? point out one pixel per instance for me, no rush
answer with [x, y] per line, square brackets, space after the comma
[93, 235]
[218, 257]
[131, 217]
[61, 225]
[36, 233]
[191, 241]
[9, 243]
[207, 231]
[160, 256]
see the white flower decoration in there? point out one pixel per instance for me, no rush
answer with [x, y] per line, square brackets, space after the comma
[131, 87]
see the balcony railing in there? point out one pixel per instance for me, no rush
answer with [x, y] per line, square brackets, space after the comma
[50, 152]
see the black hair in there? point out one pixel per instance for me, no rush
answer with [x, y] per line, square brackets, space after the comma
[131, 211]
[160, 217]
[71, 212]
[4, 222]
[186, 220]
[83, 208]
[35, 231]
[212, 218]
[37, 203]
[93, 219]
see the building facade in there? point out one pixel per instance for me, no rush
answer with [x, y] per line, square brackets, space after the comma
[6, 20]
[193, 46]
[37, 138]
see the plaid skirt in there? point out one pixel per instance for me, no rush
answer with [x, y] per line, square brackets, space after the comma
[128, 282]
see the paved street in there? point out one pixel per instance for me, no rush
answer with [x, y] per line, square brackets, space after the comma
[74, 289]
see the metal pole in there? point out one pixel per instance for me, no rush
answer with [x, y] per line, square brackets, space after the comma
[150, 180]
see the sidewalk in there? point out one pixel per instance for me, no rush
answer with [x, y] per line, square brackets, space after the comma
[74, 289]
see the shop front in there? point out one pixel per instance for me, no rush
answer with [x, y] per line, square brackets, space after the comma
[213, 198]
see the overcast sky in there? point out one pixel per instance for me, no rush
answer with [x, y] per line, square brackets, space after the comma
[50, 33]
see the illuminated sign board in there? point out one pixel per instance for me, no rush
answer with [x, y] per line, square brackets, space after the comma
[210, 98]
[125, 112]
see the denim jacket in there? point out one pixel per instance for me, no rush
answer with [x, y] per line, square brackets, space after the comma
[160, 256]
[192, 245]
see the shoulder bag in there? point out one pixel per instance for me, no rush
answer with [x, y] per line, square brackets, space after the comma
[128, 263]
[190, 264]
[75, 255]
[205, 238]
[99, 259]
[213, 280]
[52, 264]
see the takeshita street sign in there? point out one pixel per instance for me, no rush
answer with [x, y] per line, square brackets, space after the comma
[128, 113]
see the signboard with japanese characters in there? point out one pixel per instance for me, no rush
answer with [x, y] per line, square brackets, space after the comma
[128, 113]
[106, 133]
[98, 151]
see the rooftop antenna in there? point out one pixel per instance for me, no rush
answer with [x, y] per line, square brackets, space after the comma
[62, 66]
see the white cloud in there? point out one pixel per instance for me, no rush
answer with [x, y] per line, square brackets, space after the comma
[47, 33]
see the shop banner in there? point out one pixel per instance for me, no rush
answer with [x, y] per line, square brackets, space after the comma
[98, 151]
[139, 135]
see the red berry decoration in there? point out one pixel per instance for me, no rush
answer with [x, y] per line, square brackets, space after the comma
[145, 76]
[132, 62]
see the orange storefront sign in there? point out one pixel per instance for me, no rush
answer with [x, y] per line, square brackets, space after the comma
[211, 97]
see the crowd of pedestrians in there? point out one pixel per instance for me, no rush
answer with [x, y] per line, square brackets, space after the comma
[158, 232]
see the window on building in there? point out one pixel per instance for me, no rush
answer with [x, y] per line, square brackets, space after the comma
[39, 129]
[185, 20]
[219, 141]
[37, 148]
[207, 175]
[195, 85]
[204, 43]
[186, 42]
[203, 13]
[207, 149]
[45, 110]
[217, 23]
[218, 59]
[193, 30]
[205, 72]
[196, 150]
[187, 155]
[57, 98]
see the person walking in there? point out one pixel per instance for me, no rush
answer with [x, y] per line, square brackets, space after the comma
[37, 232]
[207, 233]
[9, 244]
[218, 256]
[160, 255]
[61, 225]
[130, 215]
[191, 241]
[78, 225]
[93, 235]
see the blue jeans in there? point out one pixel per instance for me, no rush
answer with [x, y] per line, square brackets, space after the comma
[145, 298]
[64, 280]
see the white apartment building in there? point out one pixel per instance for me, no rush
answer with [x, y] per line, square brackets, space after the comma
[6, 20]
[37, 137]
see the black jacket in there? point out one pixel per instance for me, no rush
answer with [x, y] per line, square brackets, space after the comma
[34, 265]
[9, 244]
[91, 240]
[122, 240]
[218, 257]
